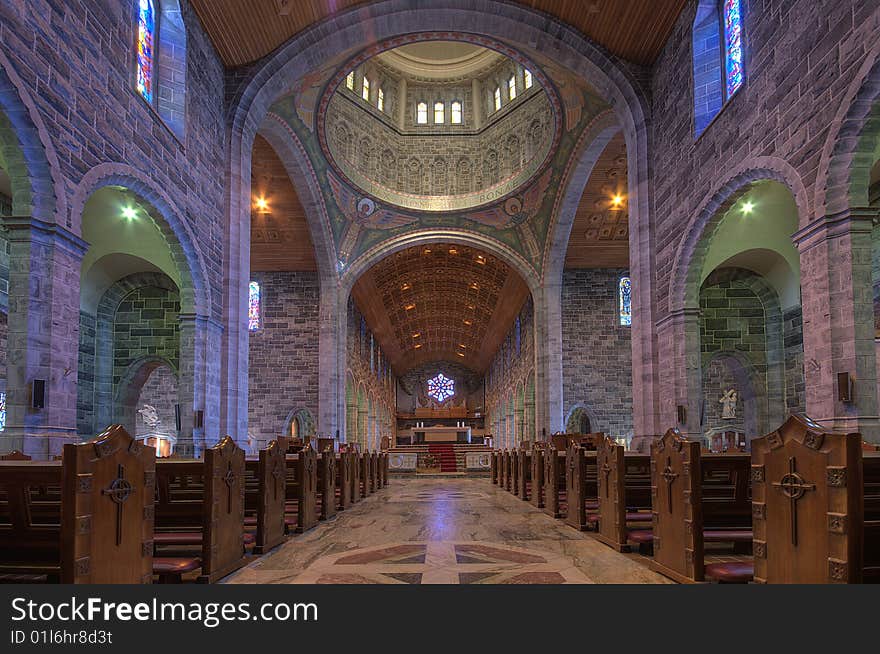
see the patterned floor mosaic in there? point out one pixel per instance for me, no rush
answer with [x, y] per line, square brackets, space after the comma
[444, 531]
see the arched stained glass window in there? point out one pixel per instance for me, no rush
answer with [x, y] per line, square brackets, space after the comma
[146, 49]
[440, 387]
[365, 90]
[254, 308]
[422, 113]
[349, 81]
[527, 78]
[624, 301]
[511, 87]
[497, 99]
[455, 113]
[733, 46]
[380, 99]
[2, 411]
[439, 112]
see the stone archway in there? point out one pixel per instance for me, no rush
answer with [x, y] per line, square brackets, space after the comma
[341, 37]
[130, 390]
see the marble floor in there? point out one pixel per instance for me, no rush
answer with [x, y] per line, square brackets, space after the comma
[444, 531]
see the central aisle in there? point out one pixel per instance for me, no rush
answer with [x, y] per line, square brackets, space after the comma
[444, 531]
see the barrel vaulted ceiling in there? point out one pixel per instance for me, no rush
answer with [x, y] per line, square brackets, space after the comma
[243, 31]
[440, 302]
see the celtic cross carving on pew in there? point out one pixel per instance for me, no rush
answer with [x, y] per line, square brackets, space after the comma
[229, 480]
[277, 475]
[794, 487]
[119, 490]
[669, 475]
[607, 470]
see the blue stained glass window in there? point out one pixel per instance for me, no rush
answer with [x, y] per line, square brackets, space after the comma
[624, 300]
[441, 388]
[2, 411]
[146, 48]
[254, 308]
[733, 46]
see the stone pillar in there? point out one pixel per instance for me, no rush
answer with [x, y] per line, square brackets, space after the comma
[199, 385]
[838, 313]
[402, 104]
[678, 335]
[548, 357]
[43, 323]
[519, 426]
[476, 106]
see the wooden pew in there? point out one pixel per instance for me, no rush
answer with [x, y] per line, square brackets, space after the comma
[580, 484]
[816, 506]
[357, 471]
[555, 499]
[302, 488]
[15, 455]
[326, 499]
[344, 479]
[623, 484]
[374, 470]
[493, 467]
[265, 486]
[86, 520]
[513, 485]
[524, 474]
[366, 475]
[200, 504]
[536, 496]
[698, 498]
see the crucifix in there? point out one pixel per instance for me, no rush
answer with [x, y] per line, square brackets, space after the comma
[794, 487]
[669, 475]
[119, 490]
[229, 479]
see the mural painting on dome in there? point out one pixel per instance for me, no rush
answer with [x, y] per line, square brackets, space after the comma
[510, 212]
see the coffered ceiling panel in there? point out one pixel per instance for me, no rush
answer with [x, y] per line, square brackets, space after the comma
[600, 234]
[440, 303]
[280, 238]
[243, 31]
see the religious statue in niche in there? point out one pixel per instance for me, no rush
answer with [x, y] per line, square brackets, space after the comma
[728, 404]
[150, 416]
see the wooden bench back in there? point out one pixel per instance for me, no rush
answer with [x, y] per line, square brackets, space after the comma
[344, 481]
[623, 482]
[493, 467]
[514, 471]
[536, 496]
[871, 515]
[357, 471]
[524, 474]
[726, 490]
[86, 520]
[15, 455]
[327, 483]
[808, 500]
[223, 522]
[302, 478]
[554, 478]
[265, 494]
[677, 506]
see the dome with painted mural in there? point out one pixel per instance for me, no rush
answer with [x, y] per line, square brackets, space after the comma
[438, 125]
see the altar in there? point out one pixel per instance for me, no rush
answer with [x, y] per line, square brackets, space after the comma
[438, 434]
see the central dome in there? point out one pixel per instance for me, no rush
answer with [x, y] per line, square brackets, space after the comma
[439, 126]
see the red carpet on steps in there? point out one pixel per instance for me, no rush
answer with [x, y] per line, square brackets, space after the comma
[445, 454]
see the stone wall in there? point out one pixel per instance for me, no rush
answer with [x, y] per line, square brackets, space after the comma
[596, 350]
[800, 58]
[510, 384]
[371, 402]
[283, 353]
[145, 325]
[428, 165]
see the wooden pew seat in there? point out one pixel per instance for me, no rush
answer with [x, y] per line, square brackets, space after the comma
[730, 572]
[170, 569]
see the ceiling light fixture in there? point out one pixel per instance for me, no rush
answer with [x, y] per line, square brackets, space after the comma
[409, 307]
[129, 213]
[617, 201]
[261, 204]
[747, 207]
